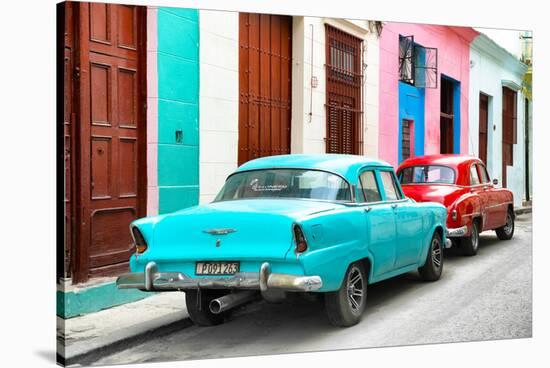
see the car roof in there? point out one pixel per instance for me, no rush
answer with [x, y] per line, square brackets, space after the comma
[452, 160]
[344, 165]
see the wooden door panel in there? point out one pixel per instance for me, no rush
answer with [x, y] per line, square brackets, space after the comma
[111, 241]
[100, 93]
[112, 137]
[127, 97]
[126, 31]
[264, 85]
[102, 154]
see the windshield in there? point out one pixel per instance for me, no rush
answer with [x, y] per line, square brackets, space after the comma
[285, 183]
[427, 175]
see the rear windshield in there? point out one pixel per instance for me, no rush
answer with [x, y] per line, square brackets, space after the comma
[285, 183]
[427, 174]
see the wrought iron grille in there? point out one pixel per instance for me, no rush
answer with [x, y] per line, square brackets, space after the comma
[417, 64]
[344, 97]
[425, 68]
[406, 59]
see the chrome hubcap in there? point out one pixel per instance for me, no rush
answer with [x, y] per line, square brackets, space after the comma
[436, 253]
[355, 289]
[509, 224]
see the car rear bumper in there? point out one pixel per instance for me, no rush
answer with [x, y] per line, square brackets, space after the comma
[152, 280]
[457, 232]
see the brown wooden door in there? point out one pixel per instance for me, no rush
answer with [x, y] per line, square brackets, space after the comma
[509, 129]
[67, 45]
[111, 172]
[265, 54]
[483, 122]
[344, 76]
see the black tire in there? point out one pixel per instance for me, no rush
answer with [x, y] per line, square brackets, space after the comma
[506, 232]
[470, 244]
[431, 271]
[198, 307]
[345, 306]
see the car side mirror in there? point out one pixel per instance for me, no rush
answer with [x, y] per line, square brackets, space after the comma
[495, 181]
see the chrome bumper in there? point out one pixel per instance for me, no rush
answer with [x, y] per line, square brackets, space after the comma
[457, 232]
[152, 280]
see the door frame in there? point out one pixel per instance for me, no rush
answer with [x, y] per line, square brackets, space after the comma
[82, 152]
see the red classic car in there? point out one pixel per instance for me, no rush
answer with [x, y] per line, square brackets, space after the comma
[462, 184]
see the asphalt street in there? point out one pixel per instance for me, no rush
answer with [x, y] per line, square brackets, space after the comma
[485, 297]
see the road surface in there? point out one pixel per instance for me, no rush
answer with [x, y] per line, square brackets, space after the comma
[478, 298]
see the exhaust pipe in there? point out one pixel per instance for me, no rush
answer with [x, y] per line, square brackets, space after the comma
[229, 301]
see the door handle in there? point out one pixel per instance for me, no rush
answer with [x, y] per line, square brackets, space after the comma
[394, 206]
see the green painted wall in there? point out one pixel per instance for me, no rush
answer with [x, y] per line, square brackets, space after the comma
[178, 108]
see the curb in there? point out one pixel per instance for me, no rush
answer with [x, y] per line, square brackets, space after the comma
[120, 344]
[523, 210]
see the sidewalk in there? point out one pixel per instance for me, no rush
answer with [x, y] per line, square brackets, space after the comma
[91, 332]
[524, 209]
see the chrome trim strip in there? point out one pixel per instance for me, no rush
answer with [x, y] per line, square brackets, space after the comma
[457, 232]
[471, 214]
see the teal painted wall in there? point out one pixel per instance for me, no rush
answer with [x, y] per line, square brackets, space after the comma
[178, 108]
[95, 298]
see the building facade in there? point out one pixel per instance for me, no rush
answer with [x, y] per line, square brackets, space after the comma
[162, 104]
[424, 90]
[498, 111]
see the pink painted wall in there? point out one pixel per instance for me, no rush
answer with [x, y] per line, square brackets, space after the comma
[453, 44]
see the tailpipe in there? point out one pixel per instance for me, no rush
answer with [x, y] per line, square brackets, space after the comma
[229, 301]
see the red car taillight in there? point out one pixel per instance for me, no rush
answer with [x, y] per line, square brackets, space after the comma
[141, 245]
[301, 244]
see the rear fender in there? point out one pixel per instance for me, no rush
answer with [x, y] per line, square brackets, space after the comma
[468, 207]
[335, 240]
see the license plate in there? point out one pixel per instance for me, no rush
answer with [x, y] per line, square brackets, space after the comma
[216, 268]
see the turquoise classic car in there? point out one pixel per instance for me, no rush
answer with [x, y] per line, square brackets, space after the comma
[325, 224]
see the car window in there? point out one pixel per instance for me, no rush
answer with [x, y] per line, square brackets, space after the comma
[474, 178]
[483, 175]
[390, 187]
[435, 174]
[285, 183]
[369, 187]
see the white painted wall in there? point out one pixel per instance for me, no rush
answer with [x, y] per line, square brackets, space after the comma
[308, 125]
[489, 69]
[218, 98]
[219, 92]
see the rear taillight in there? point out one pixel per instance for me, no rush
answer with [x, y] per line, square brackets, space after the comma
[454, 215]
[141, 245]
[301, 244]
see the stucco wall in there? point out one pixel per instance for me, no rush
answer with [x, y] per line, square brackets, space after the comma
[487, 74]
[308, 132]
[453, 44]
[178, 108]
[219, 103]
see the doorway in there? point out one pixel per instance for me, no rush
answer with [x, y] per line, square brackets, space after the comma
[447, 117]
[509, 129]
[104, 140]
[483, 124]
[265, 64]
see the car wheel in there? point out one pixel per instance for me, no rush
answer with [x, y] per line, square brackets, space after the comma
[345, 306]
[198, 302]
[470, 244]
[507, 231]
[431, 271]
